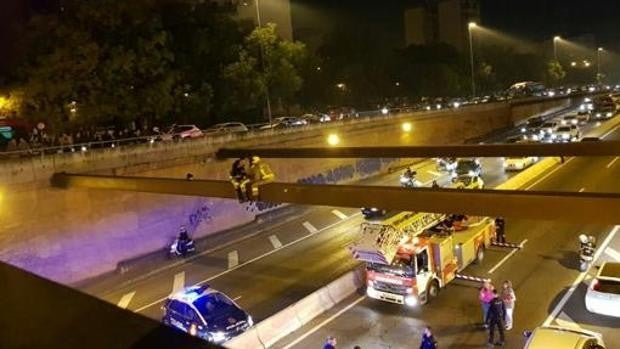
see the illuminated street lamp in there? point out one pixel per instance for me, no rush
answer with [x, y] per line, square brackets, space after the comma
[341, 85]
[598, 64]
[555, 47]
[573, 64]
[470, 27]
[407, 126]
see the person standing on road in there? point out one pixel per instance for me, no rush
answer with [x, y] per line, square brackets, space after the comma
[496, 319]
[508, 297]
[330, 343]
[486, 296]
[428, 340]
[500, 231]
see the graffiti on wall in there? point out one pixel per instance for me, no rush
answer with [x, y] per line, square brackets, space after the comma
[200, 215]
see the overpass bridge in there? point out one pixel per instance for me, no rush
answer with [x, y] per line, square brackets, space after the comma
[41, 224]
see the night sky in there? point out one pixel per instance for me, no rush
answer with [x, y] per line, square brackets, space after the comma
[531, 19]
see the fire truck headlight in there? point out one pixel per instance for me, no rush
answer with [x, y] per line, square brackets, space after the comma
[411, 301]
[409, 290]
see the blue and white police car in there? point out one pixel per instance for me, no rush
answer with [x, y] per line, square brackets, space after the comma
[206, 313]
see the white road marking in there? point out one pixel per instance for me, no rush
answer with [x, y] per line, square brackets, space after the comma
[275, 241]
[247, 262]
[548, 174]
[339, 214]
[124, 302]
[233, 259]
[309, 227]
[612, 253]
[179, 282]
[323, 323]
[611, 163]
[499, 264]
[582, 190]
[436, 174]
[565, 321]
[580, 278]
[610, 131]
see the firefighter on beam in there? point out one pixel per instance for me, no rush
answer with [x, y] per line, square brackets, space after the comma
[247, 175]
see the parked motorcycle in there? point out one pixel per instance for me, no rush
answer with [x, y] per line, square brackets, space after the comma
[586, 251]
[181, 249]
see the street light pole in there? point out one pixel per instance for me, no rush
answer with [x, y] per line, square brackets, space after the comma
[598, 65]
[471, 26]
[262, 53]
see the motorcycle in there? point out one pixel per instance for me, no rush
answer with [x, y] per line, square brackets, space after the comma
[176, 252]
[409, 182]
[586, 252]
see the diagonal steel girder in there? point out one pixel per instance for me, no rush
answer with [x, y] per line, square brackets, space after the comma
[601, 208]
[600, 148]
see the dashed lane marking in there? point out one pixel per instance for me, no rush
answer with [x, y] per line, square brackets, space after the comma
[233, 259]
[309, 227]
[339, 214]
[224, 272]
[275, 241]
[506, 257]
[124, 302]
[434, 173]
[179, 282]
[612, 162]
[612, 253]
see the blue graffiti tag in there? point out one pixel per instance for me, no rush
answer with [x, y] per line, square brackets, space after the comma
[201, 215]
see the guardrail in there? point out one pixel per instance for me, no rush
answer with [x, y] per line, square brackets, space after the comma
[255, 128]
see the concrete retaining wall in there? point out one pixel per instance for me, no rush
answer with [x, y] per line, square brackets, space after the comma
[269, 331]
[71, 235]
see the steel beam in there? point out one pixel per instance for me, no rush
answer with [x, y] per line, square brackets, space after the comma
[600, 208]
[601, 148]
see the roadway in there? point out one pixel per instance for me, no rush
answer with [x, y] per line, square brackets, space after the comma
[284, 259]
[543, 273]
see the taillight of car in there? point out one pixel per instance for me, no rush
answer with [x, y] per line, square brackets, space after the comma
[595, 285]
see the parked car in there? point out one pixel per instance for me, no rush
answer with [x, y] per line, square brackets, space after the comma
[316, 118]
[548, 337]
[182, 132]
[603, 295]
[227, 127]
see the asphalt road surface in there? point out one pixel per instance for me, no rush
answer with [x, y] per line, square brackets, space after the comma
[290, 256]
[543, 273]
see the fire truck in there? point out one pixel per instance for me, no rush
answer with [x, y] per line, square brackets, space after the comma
[410, 256]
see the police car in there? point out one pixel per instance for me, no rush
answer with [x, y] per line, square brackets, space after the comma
[206, 313]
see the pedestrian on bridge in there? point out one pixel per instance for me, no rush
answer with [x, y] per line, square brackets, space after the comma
[428, 339]
[508, 297]
[496, 317]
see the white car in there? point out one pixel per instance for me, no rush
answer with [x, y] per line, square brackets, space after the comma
[227, 127]
[519, 163]
[555, 337]
[570, 119]
[568, 133]
[603, 295]
[182, 132]
[547, 130]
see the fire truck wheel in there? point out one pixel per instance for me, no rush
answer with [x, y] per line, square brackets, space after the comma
[433, 289]
[479, 255]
